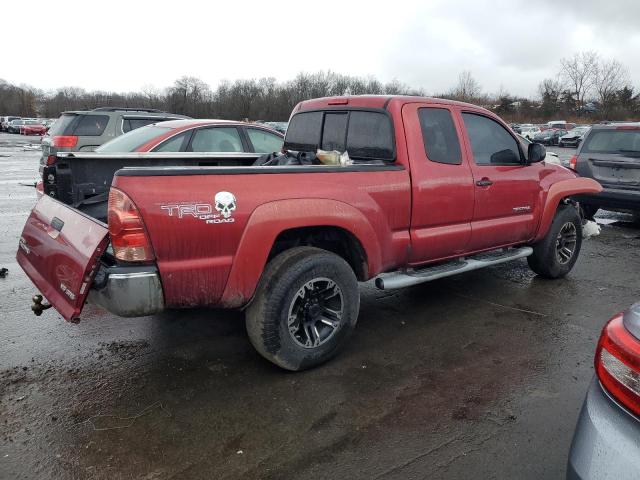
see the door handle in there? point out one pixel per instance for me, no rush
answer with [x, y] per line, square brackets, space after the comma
[485, 182]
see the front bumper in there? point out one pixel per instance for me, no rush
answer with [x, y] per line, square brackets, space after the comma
[606, 444]
[128, 291]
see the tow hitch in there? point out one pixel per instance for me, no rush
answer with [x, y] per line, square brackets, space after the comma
[38, 307]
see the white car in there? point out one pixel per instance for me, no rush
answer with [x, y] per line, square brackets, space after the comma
[529, 132]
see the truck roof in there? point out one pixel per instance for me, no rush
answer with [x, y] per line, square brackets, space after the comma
[373, 101]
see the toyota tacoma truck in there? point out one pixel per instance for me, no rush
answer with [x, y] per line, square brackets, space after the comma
[431, 188]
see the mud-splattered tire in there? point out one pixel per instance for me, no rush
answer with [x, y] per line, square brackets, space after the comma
[305, 307]
[556, 254]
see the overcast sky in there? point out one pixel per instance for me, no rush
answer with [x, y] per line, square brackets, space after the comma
[120, 45]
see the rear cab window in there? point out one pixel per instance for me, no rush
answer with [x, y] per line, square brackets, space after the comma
[366, 135]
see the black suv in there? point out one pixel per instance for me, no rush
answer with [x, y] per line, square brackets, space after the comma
[610, 154]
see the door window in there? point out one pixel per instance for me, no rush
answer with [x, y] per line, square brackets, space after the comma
[174, 144]
[218, 139]
[263, 141]
[490, 142]
[441, 142]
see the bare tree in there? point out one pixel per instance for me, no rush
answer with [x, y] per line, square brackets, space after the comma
[578, 74]
[467, 88]
[610, 77]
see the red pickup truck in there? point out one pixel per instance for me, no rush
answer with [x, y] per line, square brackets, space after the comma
[433, 188]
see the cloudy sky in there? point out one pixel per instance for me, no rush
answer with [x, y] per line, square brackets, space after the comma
[120, 45]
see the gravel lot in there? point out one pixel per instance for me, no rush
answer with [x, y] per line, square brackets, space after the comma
[476, 376]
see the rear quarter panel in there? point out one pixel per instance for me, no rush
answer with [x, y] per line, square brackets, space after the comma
[195, 258]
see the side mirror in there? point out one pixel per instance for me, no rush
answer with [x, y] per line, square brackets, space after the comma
[536, 153]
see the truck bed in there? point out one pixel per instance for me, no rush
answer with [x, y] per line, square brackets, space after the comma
[84, 179]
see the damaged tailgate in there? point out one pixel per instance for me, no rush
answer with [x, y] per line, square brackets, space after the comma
[59, 250]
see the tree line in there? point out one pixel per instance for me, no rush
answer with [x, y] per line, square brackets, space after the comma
[585, 85]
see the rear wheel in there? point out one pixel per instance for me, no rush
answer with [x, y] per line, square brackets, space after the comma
[556, 254]
[306, 306]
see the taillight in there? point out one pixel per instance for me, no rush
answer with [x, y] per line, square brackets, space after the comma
[129, 238]
[51, 159]
[617, 363]
[64, 141]
[573, 162]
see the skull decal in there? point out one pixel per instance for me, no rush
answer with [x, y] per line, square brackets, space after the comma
[225, 203]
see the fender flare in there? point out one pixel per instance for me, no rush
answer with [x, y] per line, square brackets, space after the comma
[270, 219]
[557, 192]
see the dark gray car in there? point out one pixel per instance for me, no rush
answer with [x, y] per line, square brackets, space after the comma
[606, 443]
[610, 154]
[79, 131]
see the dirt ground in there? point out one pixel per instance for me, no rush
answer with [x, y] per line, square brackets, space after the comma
[476, 376]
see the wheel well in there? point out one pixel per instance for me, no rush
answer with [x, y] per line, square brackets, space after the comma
[333, 239]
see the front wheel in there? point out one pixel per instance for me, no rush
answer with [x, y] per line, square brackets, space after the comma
[306, 306]
[556, 254]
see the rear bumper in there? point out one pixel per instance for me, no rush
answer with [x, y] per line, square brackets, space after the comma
[606, 442]
[613, 198]
[128, 291]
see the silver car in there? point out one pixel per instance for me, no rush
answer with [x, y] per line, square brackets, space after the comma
[606, 444]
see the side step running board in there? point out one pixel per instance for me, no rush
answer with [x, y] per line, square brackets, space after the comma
[391, 281]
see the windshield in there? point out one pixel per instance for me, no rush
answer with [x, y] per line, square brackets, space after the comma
[131, 141]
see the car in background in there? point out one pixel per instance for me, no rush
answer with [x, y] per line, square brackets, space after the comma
[4, 122]
[573, 137]
[610, 154]
[549, 137]
[606, 442]
[550, 157]
[48, 122]
[204, 136]
[516, 127]
[175, 142]
[15, 125]
[86, 130]
[33, 127]
[529, 132]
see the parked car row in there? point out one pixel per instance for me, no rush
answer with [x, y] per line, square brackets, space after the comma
[25, 126]
[558, 133]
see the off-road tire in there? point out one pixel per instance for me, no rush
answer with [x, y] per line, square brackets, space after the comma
[268, 314]
[545, 260]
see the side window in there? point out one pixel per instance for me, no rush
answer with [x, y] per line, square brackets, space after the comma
[490, 142]
[263, 141]
[370, 136]
[439, 135]
[335, 131]
[304, 131]
[129, 124]
[91, 125]
[173, 144]
[217, 139]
